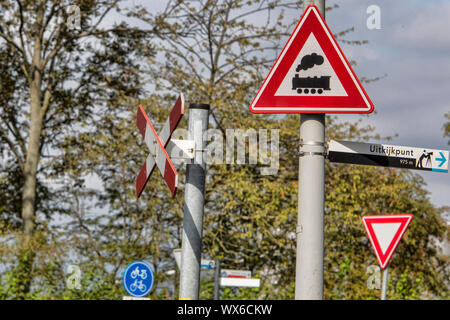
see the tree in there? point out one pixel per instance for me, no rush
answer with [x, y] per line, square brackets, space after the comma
[63, 65]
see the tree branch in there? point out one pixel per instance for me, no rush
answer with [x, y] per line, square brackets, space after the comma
[5, 137]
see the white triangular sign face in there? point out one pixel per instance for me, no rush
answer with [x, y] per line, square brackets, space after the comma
[311, 63]
[385, 233]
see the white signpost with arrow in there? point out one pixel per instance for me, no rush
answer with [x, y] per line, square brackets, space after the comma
[386, 155]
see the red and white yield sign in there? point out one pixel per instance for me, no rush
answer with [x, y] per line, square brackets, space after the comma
[157, 144]
[311, 75]
[385, 232]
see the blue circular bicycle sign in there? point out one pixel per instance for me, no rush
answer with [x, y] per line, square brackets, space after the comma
[137, 278]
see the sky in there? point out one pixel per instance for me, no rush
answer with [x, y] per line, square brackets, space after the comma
[411, 52]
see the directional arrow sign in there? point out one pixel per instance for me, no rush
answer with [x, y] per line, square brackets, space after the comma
[385, 155]
[311, 75]
[385, 232]
[157, 145]
[442, 159]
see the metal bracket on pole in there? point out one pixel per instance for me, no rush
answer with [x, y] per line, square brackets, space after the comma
[303, 153]
[313, 148]
[181, 149]
[311, 143]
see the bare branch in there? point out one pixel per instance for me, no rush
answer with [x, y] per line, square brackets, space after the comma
[21, 29]
[4, 136]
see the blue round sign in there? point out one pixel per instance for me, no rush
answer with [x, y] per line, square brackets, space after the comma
[137, 278]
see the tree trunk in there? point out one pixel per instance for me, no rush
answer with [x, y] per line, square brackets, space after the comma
[26, 256]
[32, 159]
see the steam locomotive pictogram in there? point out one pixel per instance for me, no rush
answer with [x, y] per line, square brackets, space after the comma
[310, 84]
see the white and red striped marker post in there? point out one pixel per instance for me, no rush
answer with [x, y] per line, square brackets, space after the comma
[157, 144]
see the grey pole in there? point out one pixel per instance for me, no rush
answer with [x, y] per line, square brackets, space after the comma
[194, 199]
[311, 196]
[217, 281]
[385, 282]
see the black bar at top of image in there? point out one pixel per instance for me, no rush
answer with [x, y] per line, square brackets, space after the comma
[374, 160]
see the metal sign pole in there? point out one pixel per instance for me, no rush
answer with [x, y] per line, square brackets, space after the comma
[194, 199]
[311, 194]
[217, 281]
[384, 285]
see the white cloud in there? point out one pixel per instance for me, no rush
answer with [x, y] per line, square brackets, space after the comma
[426, 29]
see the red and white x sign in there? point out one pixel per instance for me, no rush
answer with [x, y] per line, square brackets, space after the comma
[157, 144]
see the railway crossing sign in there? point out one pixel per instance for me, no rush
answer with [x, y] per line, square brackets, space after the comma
[385, 232]
[311, 75]
[385, 155]
[157, 144]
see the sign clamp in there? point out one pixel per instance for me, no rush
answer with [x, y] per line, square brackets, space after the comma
[313, 144]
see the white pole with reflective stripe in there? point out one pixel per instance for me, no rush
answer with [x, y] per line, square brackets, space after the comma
[311, 196]
[194, 201]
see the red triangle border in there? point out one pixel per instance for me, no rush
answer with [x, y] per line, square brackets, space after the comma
[356, 101]
[403, 219]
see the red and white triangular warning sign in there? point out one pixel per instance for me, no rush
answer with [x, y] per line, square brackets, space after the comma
[311, 75]
[385, 233]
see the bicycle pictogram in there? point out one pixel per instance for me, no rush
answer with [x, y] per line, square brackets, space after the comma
[138, 278]
[137, 284]
[142, 274]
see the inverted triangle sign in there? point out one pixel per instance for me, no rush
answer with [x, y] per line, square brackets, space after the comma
[385, 232]
[311, 75]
